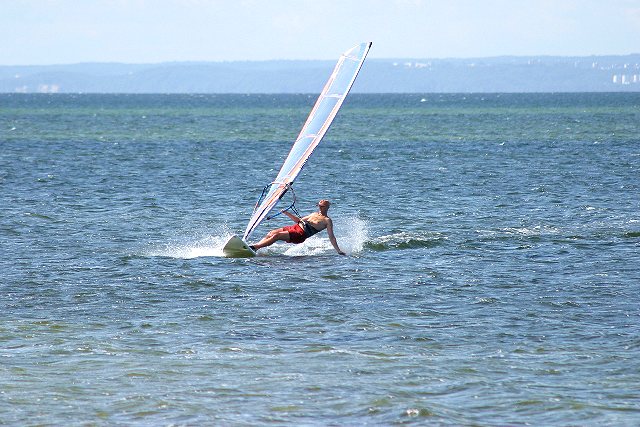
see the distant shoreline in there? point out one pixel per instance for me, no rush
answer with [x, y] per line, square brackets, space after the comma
[507, 74]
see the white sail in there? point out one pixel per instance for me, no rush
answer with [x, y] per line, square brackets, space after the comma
[317, 124]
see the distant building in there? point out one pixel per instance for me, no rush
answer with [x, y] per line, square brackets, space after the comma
[45, 88]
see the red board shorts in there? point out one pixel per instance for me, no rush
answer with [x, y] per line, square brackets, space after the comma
[296, 234]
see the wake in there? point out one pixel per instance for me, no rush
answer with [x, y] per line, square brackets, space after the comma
[194, 247]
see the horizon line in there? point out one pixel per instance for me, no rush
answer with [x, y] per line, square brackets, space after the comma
[399, 58]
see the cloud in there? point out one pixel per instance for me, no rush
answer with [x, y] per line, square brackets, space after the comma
[633, 15]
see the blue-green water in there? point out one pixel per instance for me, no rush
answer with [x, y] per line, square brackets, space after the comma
[493, 275]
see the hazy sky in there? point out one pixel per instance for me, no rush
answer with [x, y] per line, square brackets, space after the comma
[142, 31]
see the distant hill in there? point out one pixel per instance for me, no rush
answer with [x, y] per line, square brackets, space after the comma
[498, 74]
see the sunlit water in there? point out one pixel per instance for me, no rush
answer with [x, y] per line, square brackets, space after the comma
[492, 276]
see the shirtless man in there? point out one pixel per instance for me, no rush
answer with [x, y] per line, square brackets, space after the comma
[305, 227]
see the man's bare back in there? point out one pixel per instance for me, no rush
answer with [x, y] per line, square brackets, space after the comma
[317, 220]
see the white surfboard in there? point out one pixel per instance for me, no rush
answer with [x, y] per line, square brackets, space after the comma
[237, 248]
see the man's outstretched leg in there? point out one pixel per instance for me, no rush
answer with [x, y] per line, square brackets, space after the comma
[271, 237]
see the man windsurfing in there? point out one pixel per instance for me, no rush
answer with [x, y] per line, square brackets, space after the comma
[303, 228]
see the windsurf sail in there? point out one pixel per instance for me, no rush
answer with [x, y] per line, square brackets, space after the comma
[324, 111]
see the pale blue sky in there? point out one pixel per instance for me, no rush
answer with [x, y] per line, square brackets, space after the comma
[143, 31]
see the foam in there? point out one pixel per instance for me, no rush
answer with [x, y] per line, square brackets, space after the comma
[202, 244]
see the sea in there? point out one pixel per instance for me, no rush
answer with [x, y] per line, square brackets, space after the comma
[492, 275]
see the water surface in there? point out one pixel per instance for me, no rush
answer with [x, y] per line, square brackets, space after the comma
[492, 276]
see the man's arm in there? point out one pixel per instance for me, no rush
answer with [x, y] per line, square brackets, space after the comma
[292, 216]
[332, 238]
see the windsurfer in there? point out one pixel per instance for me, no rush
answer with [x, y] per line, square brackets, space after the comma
[303, 228]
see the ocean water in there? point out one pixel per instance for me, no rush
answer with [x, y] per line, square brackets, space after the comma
[492, 276]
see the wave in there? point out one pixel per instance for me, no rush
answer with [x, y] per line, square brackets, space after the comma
[406, 240]
[354, 238]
